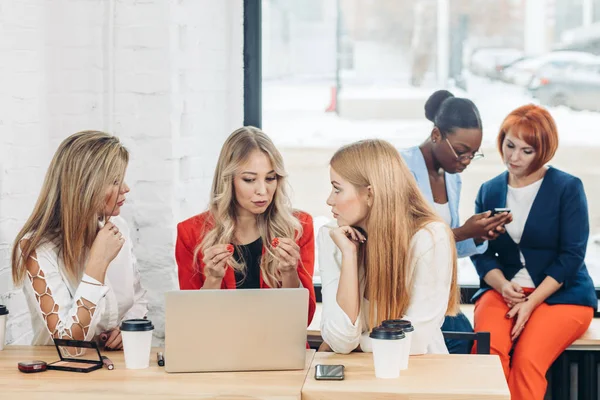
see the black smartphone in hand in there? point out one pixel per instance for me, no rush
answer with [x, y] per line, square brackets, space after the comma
[329, 372]
[499, 211]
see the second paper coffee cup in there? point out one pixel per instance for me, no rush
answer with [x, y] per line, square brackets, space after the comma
[408, 330]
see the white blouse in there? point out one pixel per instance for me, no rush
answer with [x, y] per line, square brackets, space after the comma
[431, 269]
[443, 210]
[121, 297]
[520, 200]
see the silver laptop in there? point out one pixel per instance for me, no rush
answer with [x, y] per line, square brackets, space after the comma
[235, 330]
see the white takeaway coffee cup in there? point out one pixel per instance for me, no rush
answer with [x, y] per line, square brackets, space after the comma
[137, 342]
[388, 347]
[3, 318]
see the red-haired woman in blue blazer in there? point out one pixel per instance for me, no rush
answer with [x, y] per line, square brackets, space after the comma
[536, 295]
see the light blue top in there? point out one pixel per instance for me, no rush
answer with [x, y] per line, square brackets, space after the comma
[416, 163]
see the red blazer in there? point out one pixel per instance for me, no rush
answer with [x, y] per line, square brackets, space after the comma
[191, 277]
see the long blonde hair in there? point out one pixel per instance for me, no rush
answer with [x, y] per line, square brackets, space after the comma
[277, 221]
[398, 211]
[71, 201]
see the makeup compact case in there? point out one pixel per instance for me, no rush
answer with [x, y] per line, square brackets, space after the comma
[76, 356]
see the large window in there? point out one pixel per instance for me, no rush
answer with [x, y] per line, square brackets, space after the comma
[336, 71]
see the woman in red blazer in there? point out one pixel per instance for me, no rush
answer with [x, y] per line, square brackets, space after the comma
[250, 237]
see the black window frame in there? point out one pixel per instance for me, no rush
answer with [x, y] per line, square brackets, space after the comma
[253, 63]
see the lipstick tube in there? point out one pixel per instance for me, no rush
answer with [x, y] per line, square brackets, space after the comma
[107, 363]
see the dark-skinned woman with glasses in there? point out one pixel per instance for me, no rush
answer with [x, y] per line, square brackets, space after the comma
[449, 149]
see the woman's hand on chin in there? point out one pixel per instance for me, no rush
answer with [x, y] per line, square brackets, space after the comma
[347, 239]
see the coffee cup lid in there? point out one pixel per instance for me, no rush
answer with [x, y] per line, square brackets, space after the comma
[386, 333]
[136, 325]
[3, 310]
[403, 324]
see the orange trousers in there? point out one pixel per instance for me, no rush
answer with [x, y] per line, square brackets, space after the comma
[548, 332]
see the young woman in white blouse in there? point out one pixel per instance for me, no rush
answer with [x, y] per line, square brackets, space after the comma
[389, 255]
[73, 256]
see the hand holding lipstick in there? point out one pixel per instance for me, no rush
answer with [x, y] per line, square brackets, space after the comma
[103, 337]
[288, 253]
[216, 259]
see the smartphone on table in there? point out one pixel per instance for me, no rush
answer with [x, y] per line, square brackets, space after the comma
[329, 372]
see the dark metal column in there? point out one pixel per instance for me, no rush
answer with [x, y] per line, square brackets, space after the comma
[253, 63]
[588, 376]
[560, 385]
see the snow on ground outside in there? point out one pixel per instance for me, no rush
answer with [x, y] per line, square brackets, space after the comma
[293, 114]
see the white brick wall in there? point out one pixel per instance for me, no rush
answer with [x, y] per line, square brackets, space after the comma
[164, 75]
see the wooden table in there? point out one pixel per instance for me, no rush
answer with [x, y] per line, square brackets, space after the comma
[150, 383]
[434, 377]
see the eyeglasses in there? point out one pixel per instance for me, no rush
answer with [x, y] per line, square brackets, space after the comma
[464, 157]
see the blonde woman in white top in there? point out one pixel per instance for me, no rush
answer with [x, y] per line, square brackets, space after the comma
[389, 255]
[73, 256]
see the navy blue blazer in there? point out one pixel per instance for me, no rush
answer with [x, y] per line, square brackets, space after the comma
[554, 239]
